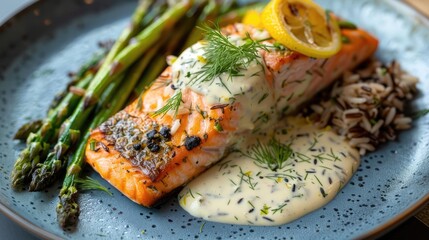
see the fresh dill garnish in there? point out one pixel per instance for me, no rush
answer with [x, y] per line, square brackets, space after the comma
[172, 104]
[273, 155]
[345, 39]
[279, 47]
[420, 113]
[91, 184]
[346, 25]
[313, 144]
[222, 56]
[246, 177]
[202, 226]
[218, 127]
[279, 208]
[265, 210]
[190, 192]
[263, 97]
[92, 144]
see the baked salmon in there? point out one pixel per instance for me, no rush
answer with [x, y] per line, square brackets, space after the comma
[146, 156]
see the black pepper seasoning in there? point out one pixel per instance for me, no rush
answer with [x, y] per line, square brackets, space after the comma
[165, 132]
[192, 142]
[153, 147]
[137, 146]
[152, 134]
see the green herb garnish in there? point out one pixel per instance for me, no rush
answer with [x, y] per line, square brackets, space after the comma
[92, 144]
[345, 39]
[279, 47]
[202, 226]
[246, 177]
[346, 25]
[172, 104]
[279, 208]
[265, 210]
[420, 113]
[273, 155]
[222, 56]
[218, 127]
[91, 184]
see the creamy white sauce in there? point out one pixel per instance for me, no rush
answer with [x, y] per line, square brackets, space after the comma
[250, 92]
[239, 191]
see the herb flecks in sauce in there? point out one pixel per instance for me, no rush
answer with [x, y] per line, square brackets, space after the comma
[272, 155]
[318, 166]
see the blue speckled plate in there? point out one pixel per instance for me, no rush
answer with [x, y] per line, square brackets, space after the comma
[48, 39]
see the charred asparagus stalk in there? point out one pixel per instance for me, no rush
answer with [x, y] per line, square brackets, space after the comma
[133, 51]
[45, 173]
[123, 40]
[90, 67]
[38, 143]
[158, 63]
[68, 207]
[25, 130]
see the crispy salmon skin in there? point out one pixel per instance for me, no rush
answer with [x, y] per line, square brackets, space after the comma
[147, 156]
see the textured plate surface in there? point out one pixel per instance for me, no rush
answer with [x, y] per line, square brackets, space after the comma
[41, 44]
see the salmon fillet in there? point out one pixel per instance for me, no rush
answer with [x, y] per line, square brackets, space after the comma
[146, 156]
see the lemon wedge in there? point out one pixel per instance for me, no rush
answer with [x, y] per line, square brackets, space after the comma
[302, 26]
[253, 18]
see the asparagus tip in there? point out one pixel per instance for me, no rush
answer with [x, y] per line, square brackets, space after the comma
[44, 175]
[21, 170]
[25, 130]
[68, 209]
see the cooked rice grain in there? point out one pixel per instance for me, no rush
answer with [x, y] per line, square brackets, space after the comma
[366, 105]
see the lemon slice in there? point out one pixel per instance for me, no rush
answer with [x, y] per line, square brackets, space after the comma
[253, 18]
[302, 26]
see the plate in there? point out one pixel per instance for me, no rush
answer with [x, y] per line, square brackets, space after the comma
[42, 43]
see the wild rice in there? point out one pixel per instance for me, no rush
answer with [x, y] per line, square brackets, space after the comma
[366, 106]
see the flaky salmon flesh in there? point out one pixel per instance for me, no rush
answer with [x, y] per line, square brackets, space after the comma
[147, 156]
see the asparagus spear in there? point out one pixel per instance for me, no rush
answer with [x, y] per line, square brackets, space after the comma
[124, 38]
[25, 130]
[158, 63]
[38, 143]
[130, 31]
[237, 14]
[134, 50]
[68, 208]
[210, 12]
[89, 67]
[45, 173]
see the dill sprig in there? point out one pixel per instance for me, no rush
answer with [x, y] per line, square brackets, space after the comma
[90, 184]
[222, 56]
[273, 155]
[172, 104]
[420, 113]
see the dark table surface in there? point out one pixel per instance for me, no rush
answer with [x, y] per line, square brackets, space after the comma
[412, 228]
